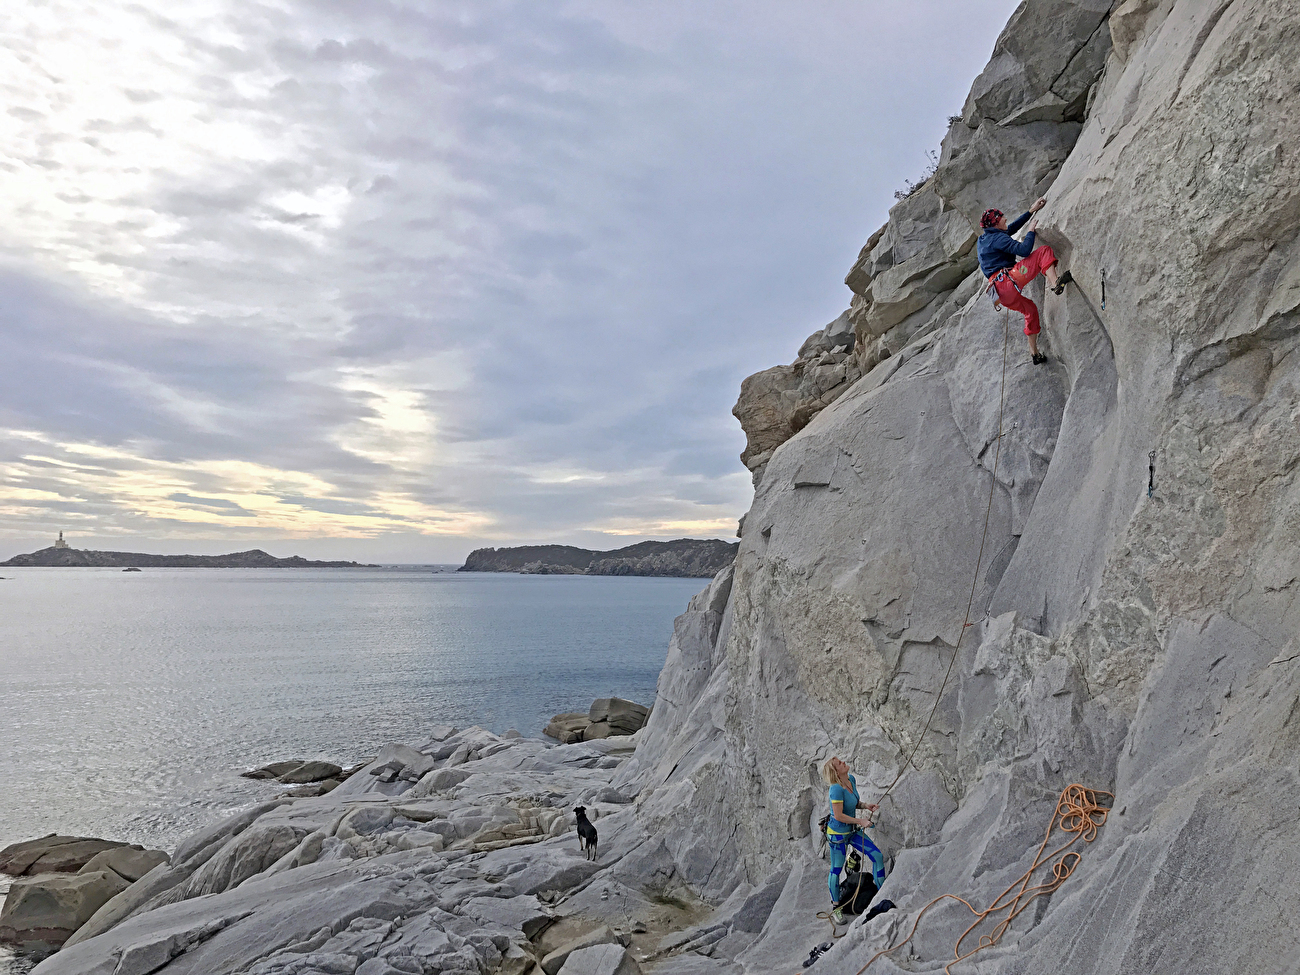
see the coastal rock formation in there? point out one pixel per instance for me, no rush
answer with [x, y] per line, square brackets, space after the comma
[64, 881]
[568, 727]
[683, 558]
[1123, 522]
[128, 862]
[777, 403]
[608, 716]
[608, 959]
[41, 913]
[480, 872]
[52, 854]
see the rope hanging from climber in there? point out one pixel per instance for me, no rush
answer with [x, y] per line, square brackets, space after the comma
[850, 833]
[1079, 810]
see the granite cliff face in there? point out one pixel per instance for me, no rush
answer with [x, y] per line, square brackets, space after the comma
[1136, 613]
[1141, 645]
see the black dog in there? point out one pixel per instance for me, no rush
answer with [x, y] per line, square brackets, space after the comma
[587, 838]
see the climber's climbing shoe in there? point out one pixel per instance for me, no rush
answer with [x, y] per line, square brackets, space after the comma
[1039, 358]
[1065, 278]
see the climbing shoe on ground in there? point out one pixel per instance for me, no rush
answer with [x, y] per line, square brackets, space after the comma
[817, 952]
[1039, 358]
[839, 917]
[1065, 278]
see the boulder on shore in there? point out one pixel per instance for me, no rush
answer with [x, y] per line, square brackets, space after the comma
[63, 881]
[298, 772]
[52, 854]
[554, 961]
[601, 960]
[42, 912]
[623, 717]
[567, 728]
[311, 772]
[274, 770]
[607, 717]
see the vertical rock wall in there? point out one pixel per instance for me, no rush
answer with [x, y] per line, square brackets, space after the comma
[1142, 645]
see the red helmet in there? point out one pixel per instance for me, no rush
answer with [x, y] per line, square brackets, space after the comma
[990, 218]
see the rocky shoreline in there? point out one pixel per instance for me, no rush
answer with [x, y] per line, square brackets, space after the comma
[407, 803]
[1126, 516]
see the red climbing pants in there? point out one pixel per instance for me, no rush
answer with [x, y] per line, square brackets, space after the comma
[1010, 284]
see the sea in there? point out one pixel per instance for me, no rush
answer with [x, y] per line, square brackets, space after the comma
[131, 701]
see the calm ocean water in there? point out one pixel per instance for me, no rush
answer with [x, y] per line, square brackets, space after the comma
[130, 702]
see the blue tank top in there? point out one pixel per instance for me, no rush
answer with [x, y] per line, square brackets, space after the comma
[850, 800]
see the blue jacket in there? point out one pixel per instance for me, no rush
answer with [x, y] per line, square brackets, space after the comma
[998, 249]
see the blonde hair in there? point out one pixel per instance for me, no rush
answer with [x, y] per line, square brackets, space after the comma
[828, 773]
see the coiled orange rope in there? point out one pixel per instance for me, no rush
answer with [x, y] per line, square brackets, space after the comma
[1078, 812]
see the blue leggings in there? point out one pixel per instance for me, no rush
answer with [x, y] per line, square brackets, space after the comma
[839, 844]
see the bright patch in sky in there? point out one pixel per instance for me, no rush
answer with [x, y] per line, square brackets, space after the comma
[392, 280]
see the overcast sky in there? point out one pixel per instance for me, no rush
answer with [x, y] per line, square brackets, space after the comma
[390, 281]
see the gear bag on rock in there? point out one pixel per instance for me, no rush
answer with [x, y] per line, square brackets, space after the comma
[856, 891]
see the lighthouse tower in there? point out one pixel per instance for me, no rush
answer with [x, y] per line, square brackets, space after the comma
[61, 543]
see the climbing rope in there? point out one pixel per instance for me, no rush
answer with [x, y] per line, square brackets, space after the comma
[970, 603]
[1080, 813]
[828, 916]
[979, 560]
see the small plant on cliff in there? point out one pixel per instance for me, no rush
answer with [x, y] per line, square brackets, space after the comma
[909, 187]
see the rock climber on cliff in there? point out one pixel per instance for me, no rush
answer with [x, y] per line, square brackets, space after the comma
[844, 830]
[998, 252]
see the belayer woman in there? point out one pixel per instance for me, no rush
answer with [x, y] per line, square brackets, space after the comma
[845, 828]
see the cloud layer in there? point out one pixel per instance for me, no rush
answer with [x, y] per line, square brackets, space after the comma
[392, 280]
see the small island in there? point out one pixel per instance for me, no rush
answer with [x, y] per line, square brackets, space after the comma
[699, 558]
[63, 554]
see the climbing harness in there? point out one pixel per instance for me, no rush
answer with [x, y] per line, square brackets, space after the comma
[992, 287]
[1151, 474]
[1078, 812]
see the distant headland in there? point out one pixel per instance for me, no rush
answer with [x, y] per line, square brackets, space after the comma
[62, 554]
[688, 557]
